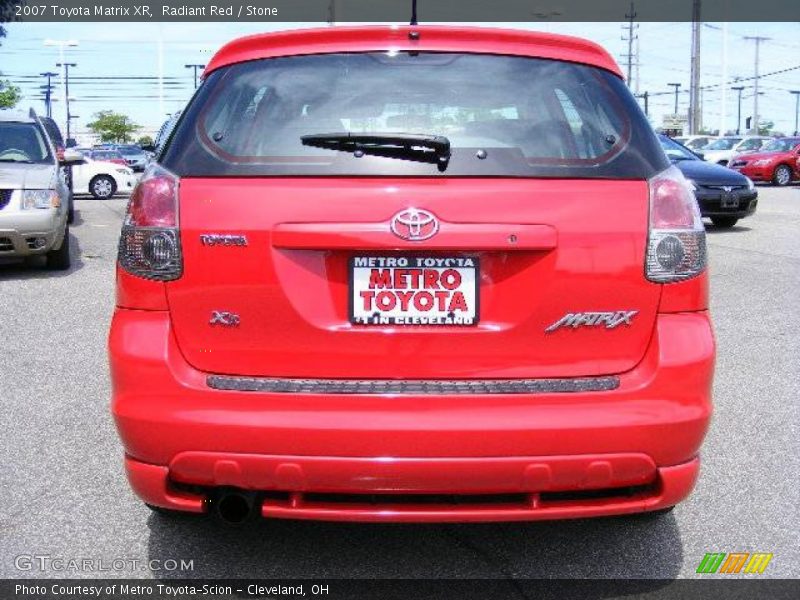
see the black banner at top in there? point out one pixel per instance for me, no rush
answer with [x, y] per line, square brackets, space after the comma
[399, 11]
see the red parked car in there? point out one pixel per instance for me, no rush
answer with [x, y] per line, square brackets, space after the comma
[364, 284]
[777, 162]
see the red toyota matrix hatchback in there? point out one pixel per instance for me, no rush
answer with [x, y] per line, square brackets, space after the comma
[412, 274]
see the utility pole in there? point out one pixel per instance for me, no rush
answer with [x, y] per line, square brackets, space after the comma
[195, 67]
[332, 12]
[630, 37]
[66, 91]
[723, 116]
[740, 89]
[757, 39]
[694, 80]
[48, 90]
[637, 64]
[61, 45]
[796, 94]
[677, 86]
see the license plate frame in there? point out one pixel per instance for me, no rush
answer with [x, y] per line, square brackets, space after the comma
[729, 200]
[468, 268]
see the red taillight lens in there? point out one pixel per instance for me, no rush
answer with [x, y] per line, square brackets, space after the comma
[153, 202]
[149, 245]
[676, 248]
[671, 204]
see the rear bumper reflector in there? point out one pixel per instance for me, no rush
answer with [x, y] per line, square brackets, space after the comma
[413, 386]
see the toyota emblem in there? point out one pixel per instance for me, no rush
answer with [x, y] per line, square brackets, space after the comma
[414, 225]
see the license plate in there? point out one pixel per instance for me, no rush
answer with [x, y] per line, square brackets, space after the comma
[414, 290]
[730, 201]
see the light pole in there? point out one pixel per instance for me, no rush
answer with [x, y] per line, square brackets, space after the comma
[195, 67]
[796, 94]
[677, 87]
[66, 91]
[61, 45]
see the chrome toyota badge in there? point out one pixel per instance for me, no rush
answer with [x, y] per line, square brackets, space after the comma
[414, 225]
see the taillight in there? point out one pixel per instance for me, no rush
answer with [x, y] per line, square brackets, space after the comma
[676, 247]
[149, 244]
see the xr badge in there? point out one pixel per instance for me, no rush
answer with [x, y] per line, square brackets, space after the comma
[224, 318]
[594, 319]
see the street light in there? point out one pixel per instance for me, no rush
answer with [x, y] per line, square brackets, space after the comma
[677, 87]
[61, 44]
[796, 94]
[195, 67]
[740, 89]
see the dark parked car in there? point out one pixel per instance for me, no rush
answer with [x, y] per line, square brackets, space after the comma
[724, 195]
[53, 131]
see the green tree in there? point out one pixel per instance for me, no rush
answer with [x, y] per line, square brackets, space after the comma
[10, 95]
[113, 127]
[145, 140]
[765, 127]
[8, 13]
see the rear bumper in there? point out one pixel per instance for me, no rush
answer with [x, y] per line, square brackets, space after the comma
[182, 437]
[538, 486]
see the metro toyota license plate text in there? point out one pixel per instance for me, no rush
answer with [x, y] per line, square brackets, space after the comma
[413, 290]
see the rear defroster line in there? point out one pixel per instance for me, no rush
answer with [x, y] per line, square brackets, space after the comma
[413, 386]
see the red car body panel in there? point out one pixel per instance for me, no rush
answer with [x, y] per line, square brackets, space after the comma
[483, 40]
[745, 164]
[548, 271]
[508, 456]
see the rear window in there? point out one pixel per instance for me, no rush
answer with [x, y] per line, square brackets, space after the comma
[503, 116]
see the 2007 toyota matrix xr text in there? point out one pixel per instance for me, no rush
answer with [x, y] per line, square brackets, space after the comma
[412, 274]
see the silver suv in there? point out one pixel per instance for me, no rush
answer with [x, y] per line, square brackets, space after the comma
[34, 198]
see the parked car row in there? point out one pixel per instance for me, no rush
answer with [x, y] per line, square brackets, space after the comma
[762, 158]
[131, 155]
[38, 178]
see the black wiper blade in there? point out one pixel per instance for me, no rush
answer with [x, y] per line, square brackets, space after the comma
[15, 160]
[433, 149]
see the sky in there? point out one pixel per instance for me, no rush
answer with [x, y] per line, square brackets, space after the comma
[132, 50]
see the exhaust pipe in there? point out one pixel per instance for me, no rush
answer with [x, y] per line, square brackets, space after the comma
[234, 507]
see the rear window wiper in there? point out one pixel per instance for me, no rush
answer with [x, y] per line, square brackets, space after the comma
[433, 149]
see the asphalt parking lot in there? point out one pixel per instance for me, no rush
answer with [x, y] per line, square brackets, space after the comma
[66, 495]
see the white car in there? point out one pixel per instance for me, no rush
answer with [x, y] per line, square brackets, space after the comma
[695, 142]
[102, 179]
[722, 150]
[752, 143]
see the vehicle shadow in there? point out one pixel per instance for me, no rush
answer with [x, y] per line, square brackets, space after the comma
[613, 548]
[713, 229]
[34, 267]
